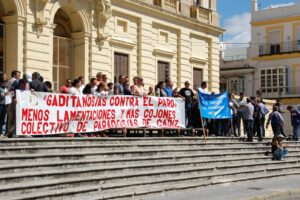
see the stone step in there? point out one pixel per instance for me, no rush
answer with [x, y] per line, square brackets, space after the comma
[54, 157]
[130, 171]
[109, 191]
[126, 141]
[136, 163]
[143, 161]
[117, 149]
[4, 159]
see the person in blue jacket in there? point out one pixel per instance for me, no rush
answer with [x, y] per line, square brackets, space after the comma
[295, 119]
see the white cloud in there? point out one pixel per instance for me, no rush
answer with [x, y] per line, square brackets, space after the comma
[279, 5]
[238, 31]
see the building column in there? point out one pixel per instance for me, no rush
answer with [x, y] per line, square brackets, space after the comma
[15, 54]
[81, 55]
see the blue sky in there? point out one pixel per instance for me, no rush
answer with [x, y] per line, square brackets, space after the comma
[235, 18]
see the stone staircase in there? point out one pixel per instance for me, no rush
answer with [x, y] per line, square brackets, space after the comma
[114, 168]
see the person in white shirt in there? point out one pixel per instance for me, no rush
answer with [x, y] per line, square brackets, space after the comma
[204, 85]
[249, 120]
[81, 79]
[75, 89]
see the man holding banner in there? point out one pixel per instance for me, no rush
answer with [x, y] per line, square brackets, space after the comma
[214, 106]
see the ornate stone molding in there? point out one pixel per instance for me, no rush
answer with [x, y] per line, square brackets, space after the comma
[40, 21]
[103, 12]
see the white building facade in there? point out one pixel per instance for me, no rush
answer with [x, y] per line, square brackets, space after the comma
[154, 39]
[275, 51]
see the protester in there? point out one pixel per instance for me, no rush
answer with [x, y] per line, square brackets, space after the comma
[168, 88]
[48, 85]
[126, 87]
[98, 78]
[280, 110]
[3, 106]
[15, 77]
[75, 89]
[279, 149]
[276, 120]
[264, 112]
[248, 116]
[138, 89]
[81, 79]
[240, 110]
[36, 84]
[151, 91]
[87, 90]
[135, 82]
[256, 119]
[159, 89]
[24, 83]
[295, 121]
[65, 88]
[188, 95]
[110, 87]
[118, 88]
[101, 90]
[234, 119]
[203, 87]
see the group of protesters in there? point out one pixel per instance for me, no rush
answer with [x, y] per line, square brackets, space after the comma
[251, 111]
[98, 86]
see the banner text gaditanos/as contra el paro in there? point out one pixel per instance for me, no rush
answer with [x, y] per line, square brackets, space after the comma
[40, 113]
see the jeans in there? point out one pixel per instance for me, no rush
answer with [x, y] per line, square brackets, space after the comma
[3, 117]
[257, 127]
[296, 132]
[188, 111]
[279, 154]
[249, 129]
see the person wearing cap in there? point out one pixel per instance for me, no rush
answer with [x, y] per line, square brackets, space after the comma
[279, 150]
[276, 120]
[295, 120]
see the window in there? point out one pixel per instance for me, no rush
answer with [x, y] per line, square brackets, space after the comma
[235, 86]
[197, 78]
[273, 80]
[62, 50]
[121, 63]
[298, 38]
[274, 42]
[163, 71]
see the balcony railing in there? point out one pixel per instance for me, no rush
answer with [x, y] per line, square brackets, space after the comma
[279, 48]
[280, 92]
[188, 9]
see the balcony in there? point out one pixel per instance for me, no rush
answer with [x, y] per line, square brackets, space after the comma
[188, 9]
[279, 48]
[280, 92]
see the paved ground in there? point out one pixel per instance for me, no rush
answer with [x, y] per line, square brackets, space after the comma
[275, 189]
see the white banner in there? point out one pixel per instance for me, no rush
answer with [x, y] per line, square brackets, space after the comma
[40, 113]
